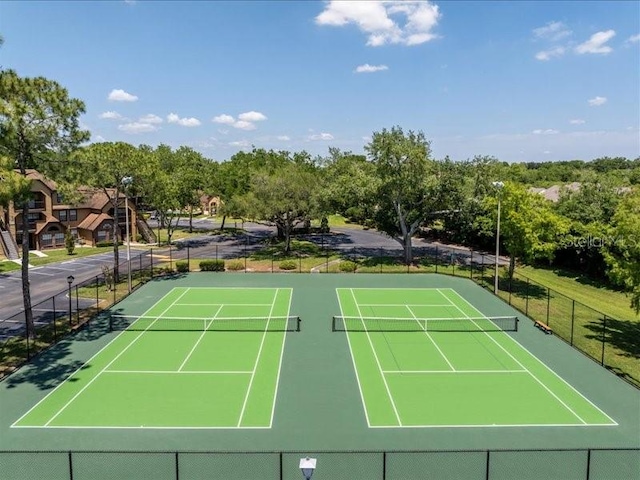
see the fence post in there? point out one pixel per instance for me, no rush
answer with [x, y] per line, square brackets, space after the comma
[548, 304]
[55, 331]
[380, 258]
[384, 465]
[281, 474]
[487, 470]
[170, 258]
[453, 264]
[526, 295]
[588, 464]
[573, 316]
[188, 258]
[604, 334]
[70, 466]
[26, 336]
[177, 466]
[97, 295]
[77, 306]
[115, 287]
[272, 263]
[471, 263]
[482, 269]
[437, 258]
[151, 255]
[299, 262]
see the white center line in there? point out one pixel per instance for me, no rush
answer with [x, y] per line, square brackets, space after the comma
[424, 328]
[206, 327]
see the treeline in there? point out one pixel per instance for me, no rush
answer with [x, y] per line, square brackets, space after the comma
[397, 187]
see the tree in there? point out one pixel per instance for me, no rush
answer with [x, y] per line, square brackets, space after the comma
[622, 252]
[39, 127]
[283, 198]
[406, 177]
[529, 228]
[102, 167]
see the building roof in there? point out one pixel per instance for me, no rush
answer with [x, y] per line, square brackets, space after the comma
[553, 192]
[48, 221]
[33, 174]
[93, 221]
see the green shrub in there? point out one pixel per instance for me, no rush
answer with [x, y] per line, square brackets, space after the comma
[69, 242]
[182, 267]
[212, 265]
[347, 266]
[288, 265]
[235, 265]
[106, 243]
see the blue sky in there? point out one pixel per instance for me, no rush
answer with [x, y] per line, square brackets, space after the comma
[522, 81]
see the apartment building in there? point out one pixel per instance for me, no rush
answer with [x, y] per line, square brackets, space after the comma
[49, 217]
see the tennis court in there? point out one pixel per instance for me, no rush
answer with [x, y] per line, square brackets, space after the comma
[198, 358]
[425, 357]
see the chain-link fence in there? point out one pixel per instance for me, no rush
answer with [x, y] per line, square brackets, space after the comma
[611, 342]
[566, 464]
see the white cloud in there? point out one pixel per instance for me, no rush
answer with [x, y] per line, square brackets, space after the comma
[596, 43]
[98, 138]
[150, 118]
[547, 152]
[552, 31]
[320, 136]
[137, 127]
[597, 101]
[224, 119]
[244, 125]
[239, 143]
[633, 39]
[375, 20]
[549, 54]
[548, 131]
[121, 96]
[223, 131]
[284, 138]
[252, 116]
[184, 122]
[366, 68]
[110, 115]
[577, 121]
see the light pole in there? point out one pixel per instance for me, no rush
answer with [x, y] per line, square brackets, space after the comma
[499, 186]
[126, 181]
[70, 280]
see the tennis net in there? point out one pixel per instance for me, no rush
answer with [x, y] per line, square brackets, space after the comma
[386, 324]
[230, 324]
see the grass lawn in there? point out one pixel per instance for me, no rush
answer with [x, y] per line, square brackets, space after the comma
[56, 255]
[584, 290]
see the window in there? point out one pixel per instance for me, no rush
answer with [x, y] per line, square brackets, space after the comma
[73, 215]
[33, 217]
[62, 215]
[74, 232]
[59, 198]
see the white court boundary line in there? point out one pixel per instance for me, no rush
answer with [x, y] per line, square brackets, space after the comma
[109, 364]
[83, 365]
[539, 361]
[255, 365]
[284, 339]
[353, 360]
[543, 364]
[169, 372]
[375, 354]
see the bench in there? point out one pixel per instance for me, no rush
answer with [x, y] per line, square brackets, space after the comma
[543, 326]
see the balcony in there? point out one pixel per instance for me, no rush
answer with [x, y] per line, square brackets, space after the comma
[36, 204]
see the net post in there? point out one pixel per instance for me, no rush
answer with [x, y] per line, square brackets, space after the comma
[110, 323]
[298, 321]
[516, 323]
[333, 323]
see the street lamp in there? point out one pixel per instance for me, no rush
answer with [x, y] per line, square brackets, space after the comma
[499, 186]
[126, 181]
[70, 280]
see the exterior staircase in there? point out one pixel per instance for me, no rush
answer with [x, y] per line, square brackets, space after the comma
[146, 231]
[9, 246]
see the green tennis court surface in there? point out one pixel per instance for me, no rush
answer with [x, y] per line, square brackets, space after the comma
[197, 358]
[428, 358]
